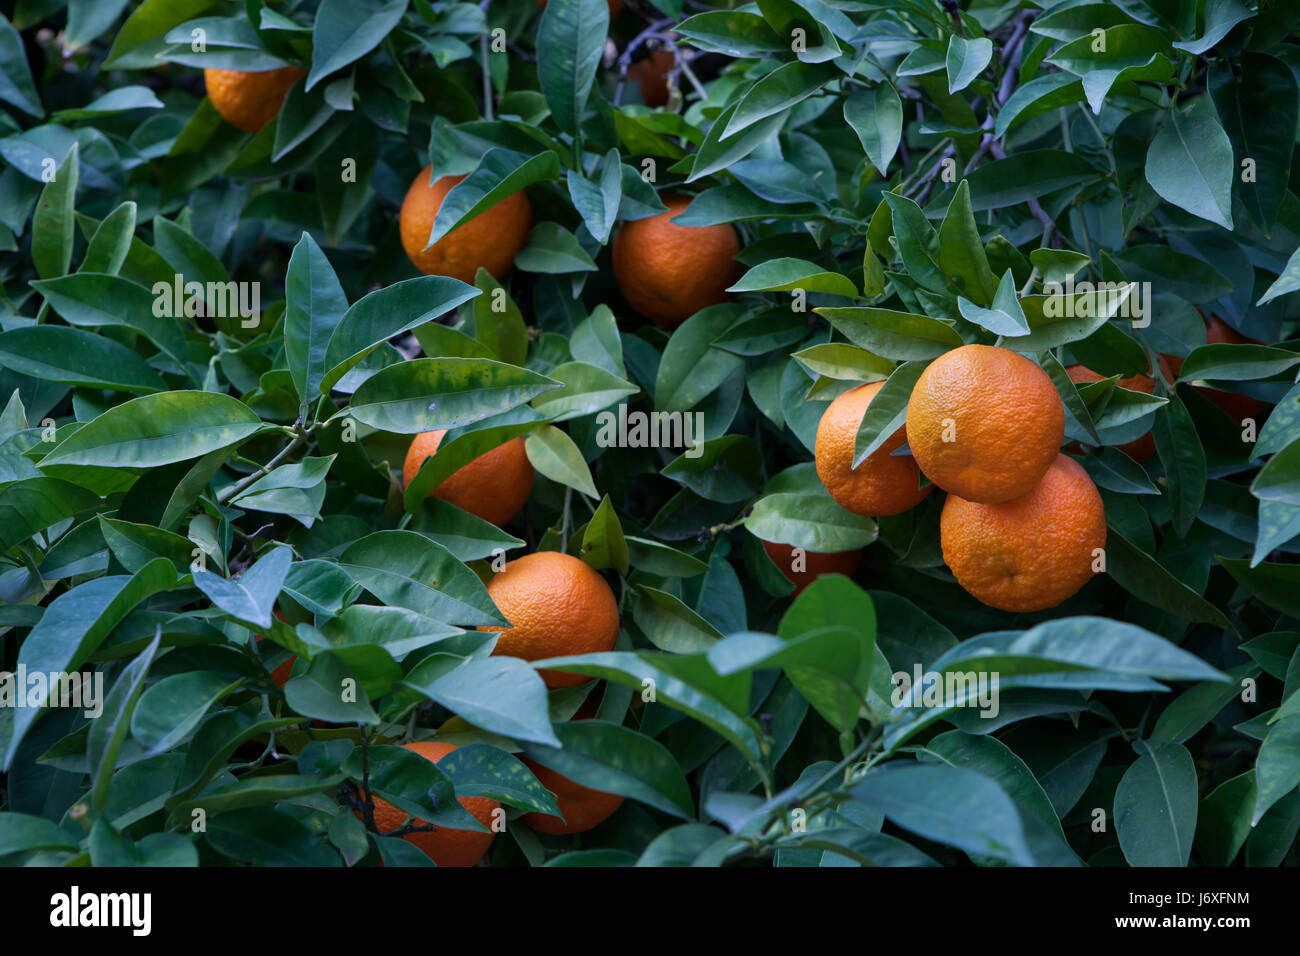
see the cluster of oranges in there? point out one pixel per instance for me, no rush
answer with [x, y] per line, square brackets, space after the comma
[1023, 525]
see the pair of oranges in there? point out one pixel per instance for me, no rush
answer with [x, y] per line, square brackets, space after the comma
[665, 271]
[581, 809]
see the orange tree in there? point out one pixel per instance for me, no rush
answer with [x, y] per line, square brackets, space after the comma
[805, 432]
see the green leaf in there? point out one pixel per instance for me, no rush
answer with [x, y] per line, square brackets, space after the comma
[670, 625]
[346, 30]
[1219, 19]
[1288, 281]
[1156, 804]
[597, 199]
[949, 805]
[1040, 95]
[250, 597]
[634, 670]
[614, 759]
[603, 543]
[1148, 580]
[573, 32]
[724, 469]
[787, 85]
[314, 306]
[1259, 109]
[1022, 176]
[503, 695]
[1124, 52]
[16, 84]
[1005, 317]
[59, 353]
[1277, 769]
[23, 833]
[109, 734]
[1234, 363]
[1183, 456]
[426, 394]
[714, 154]
[1190, 165]
[553, 250]
[31, 505]
[385, 313]
[961, 253]
[876, 116]
[583, 389]
[170, 709]
[844, 362]
[54, 223]
[781, 275]
[155, 430]
[898, 336]
[94, 300]
[887, 412]
[810, 521]
[75, 623]
[499, 174]
[554, 454]
[408, 570]
[966, 60]
[498, 323]
[111, 242]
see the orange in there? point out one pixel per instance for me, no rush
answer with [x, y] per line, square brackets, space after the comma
[556, 605]
[491, 239]
[250, 100]
[1139, 449]
[669, 272]
[446, 847]
[1032, 552]
[651, 74]
[581, 808]
[495, 485]
[985, 423]
[815, 563]
[884, 484]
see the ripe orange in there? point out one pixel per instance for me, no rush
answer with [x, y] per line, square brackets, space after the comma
[985, 423]
[556, 605]
[1032, 552]
[1139, 449]
[446, 847]
[495, 485]
[581, 808]
[669, 272]
[815, 564]
[651, 74]
[491, 239]
[884, 484]
[250, 100]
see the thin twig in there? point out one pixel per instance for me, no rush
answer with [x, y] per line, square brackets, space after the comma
[232, 490]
